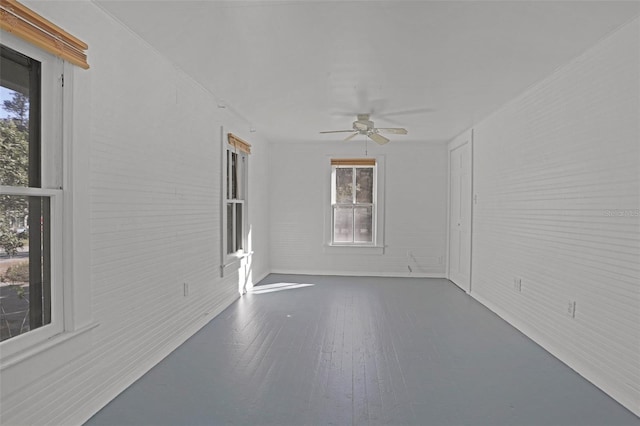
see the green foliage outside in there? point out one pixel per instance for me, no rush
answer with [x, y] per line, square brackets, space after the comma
[18, 273]
[14, 154]
[14, 168]
[10, 241]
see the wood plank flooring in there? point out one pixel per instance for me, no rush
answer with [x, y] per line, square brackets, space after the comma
[361, 351]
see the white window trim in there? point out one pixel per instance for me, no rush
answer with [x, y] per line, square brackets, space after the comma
[71, 313]
[373, 205]
[231, 259]
[377, 247]
[23, 341]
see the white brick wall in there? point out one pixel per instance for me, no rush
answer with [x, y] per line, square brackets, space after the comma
[549, 169]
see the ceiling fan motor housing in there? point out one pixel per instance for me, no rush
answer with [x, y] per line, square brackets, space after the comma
[363, 124]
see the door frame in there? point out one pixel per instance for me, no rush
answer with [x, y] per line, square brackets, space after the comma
[462, 139]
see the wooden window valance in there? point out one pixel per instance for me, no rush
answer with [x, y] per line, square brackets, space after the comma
[238, 143]
[23, 22]
[353, 161]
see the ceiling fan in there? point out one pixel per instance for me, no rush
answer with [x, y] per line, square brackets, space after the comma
[364, 126]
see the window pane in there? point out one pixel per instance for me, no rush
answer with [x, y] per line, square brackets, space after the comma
[19, 101]
[25, 264]
[238, 227]
[344, 185]
[240, 164]
[228, 174]
[363, 225]
[364, 185]
[234, 175]
[230, 234]
[343, 224]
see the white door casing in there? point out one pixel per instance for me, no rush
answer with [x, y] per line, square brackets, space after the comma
[460, 179]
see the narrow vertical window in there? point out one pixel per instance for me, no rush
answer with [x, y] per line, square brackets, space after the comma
[236, 167]
[235, 210]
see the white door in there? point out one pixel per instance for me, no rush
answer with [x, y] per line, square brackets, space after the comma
[460, 213]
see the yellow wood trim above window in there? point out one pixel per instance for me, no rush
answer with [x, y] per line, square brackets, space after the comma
[353, 161]
[238, 143]
[18, 19]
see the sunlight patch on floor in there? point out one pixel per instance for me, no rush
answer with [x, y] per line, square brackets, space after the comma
[270, 288]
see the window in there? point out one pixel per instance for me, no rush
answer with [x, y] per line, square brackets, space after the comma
[353, 201]
[235, 168]
[30, 197]
[44, 201]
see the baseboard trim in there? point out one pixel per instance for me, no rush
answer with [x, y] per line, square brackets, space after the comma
[104, 398]
[111, 393]
[624, 398]
[260, 278]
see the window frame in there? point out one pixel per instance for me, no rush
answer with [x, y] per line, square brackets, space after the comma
[237, 200]
[378, 212]
[50, 186]
[64, 179]
[241, 200]
[353, 205]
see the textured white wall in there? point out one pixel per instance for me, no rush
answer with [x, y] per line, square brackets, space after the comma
[553, 171]
[154, 138]
[415, 209]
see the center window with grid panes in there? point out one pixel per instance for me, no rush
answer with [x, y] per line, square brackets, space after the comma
[353, 201]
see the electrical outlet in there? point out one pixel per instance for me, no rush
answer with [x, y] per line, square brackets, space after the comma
[185, 287]
[571, 308]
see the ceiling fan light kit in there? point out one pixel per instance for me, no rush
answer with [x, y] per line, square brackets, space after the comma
[364, 126]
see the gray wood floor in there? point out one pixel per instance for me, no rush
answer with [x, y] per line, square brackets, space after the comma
[361, 351]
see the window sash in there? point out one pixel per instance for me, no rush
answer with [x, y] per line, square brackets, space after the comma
[353, 184]
[235, 236]
[352, 225]
[234, 215]
[54, 311]
[236, 164]
[353, 164]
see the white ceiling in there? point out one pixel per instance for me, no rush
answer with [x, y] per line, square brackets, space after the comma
[293, 68]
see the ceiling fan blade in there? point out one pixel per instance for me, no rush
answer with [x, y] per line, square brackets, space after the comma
[337, 131]
[394, 130]
[348, 138]
[379, 139]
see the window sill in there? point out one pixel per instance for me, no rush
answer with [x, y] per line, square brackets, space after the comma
[234, 259]
[46, 357]
[49, 344]
[353, 249]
